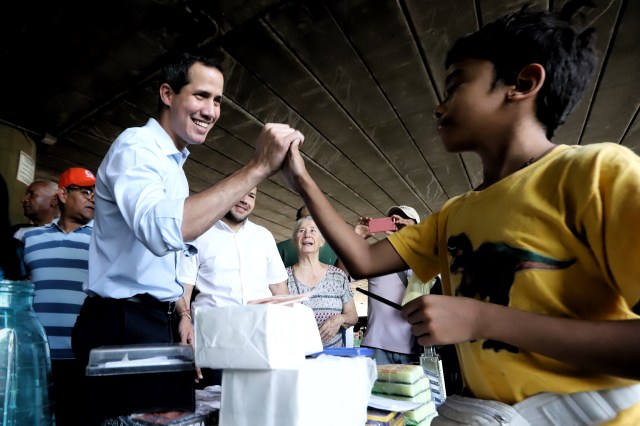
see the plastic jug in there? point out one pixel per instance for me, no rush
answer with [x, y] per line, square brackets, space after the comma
[25, 363]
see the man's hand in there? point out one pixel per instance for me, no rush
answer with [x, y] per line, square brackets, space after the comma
[185, 328]
[362, 227]
[400, 222]
[273, 145]
[279, 288]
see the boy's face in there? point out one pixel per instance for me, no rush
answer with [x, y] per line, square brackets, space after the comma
[472, 113]
[195, 110]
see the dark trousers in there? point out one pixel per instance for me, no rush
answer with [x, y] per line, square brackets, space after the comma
[109, 322]
[69, 395]
[104, 321]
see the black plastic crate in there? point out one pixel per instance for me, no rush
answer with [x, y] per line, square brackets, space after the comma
[140, 379]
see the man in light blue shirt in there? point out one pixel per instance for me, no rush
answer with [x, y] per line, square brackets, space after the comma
[145, 216]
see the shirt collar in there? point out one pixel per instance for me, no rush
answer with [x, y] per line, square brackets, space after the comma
[223, 226]
[55, 223]
[165, 143]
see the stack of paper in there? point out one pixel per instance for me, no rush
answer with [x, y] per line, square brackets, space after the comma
[255, 337]
[405, 382]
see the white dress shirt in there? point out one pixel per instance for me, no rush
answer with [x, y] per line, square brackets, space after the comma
[232, 268]
[140, 193]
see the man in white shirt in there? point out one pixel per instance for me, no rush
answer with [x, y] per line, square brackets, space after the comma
[237, 261]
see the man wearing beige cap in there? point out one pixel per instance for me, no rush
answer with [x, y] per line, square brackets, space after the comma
[56, 258]
[388, 334]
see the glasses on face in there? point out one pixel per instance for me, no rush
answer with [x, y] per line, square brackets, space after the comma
[87, 193]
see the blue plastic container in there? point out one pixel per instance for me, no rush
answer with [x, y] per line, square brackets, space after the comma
[25, 363]
[345, 352]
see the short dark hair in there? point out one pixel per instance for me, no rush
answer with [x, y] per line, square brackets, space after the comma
[299, 212]
[176, 70]
[546, 38]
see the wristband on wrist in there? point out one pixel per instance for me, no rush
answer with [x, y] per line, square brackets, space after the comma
[185, 314]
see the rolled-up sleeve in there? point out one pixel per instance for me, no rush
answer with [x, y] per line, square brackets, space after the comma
[149, 188]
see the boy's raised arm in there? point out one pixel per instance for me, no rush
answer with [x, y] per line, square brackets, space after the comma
[361, 258]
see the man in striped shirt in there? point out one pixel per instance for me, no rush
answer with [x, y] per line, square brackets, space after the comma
[56, 258]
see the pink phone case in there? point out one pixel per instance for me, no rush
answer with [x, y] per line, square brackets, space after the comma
[381, 225]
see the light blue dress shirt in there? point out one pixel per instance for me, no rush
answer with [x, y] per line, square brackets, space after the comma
[140, 193]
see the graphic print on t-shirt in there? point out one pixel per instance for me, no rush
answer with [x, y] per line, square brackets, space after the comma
[489, 271]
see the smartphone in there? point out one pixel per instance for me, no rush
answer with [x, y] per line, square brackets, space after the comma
[381, 225]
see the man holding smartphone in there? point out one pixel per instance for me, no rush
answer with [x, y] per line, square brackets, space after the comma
[388, 334]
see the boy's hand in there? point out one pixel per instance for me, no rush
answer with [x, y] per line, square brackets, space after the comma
[273, 145]
[294, 169]
[443, 320]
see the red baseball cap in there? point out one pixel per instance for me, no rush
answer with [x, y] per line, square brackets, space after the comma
[76, 176]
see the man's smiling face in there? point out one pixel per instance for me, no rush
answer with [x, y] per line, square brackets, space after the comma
[243, 208]
[195, 110]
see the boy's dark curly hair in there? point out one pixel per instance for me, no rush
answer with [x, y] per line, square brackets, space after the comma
[546, 38]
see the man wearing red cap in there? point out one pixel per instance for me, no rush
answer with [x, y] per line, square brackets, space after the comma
[56, 258]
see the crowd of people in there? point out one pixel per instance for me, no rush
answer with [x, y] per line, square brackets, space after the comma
[538, 289]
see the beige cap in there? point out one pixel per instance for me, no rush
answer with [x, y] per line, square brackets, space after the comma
[407, 211]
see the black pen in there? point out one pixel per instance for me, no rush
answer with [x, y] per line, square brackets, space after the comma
[380, 298]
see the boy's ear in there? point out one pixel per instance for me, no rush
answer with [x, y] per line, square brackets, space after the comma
[529, 82]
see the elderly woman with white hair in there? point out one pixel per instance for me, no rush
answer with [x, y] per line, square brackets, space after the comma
[331, 296]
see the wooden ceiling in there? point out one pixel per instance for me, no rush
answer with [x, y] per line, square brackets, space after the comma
[360, 78]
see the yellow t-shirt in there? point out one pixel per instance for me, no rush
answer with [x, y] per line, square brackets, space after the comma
[555, 238]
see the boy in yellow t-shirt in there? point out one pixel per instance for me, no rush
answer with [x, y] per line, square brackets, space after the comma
[537, 262]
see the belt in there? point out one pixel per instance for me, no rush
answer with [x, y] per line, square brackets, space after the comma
[147, 299]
